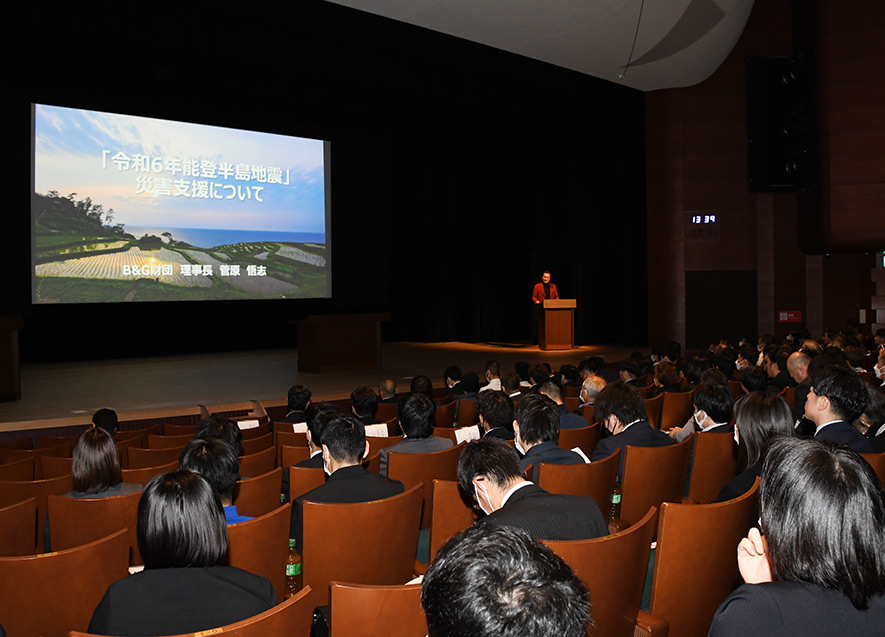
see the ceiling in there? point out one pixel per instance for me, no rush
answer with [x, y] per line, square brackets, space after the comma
[677, 42]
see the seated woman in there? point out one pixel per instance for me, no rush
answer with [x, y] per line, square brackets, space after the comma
[182, 536]
[759, 417]
[96, 471]
[820, 568]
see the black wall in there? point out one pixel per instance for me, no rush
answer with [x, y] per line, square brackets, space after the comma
[459, 172]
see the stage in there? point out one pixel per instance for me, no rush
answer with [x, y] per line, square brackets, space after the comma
[66, 394]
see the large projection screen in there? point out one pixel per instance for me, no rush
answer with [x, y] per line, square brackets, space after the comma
[131, 208]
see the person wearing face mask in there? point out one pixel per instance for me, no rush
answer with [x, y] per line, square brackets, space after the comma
[493, 377]
[344, 448]
[536, 432]
[621, 410]
[489, 468]
[713, 403]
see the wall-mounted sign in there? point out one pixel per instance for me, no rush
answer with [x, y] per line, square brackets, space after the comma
[789, 316]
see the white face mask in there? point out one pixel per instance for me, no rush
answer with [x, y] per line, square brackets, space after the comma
[699, 421]
[736, 440]
[518, 446]
[326, 466]
[478, 501]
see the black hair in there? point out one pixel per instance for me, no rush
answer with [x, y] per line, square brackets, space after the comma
[695, 366]
[364, 401]
[621, 400]
[214, 459]
[569, 372]
[749, 354]
[470, 382]
[299, 396]
[538, 419]
[95, 466]
[106, 419]
[667, 375]
[845, 390]
[538, 373]
[754, 379]
[318, 416]
[416, 414]
[493, 368]
[716, 400]
[631, 367]
[489, 457]
[453, 372]
[491, 581]
[551, 390]
[422, 385]
[522, 368]
[345, 437]
[181, 522]
[496, 409]
[221, 427]
[760, 417]
[823, 514]
[510, 382]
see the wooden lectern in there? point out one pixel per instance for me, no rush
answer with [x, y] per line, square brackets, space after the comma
[556, 325]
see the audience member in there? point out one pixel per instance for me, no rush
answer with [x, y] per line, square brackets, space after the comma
[510, 386]
[184, 587]
[797, 368]
[837, 397]
[713, 404]
[666, 378]
[452, 377]
[217, 461]
[422, 385]
[590, 389]
[221, 427]
[567, 420]
[416, 414]
[775, 365]
[495, 411]
[753, 378]
[298, 401]
[536, 432]
[364, 404]
[387, 392]
[106, 419]
[493, 377]
[499, 582]
[873, 419]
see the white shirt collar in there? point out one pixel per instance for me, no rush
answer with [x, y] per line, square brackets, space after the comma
[513, 490]
[826, 424]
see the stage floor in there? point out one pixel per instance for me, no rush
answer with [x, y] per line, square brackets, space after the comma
[73, 391]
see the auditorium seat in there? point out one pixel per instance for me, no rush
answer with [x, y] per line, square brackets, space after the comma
[46, 442]
[584, 437]
[653, 406]
[258, 432]
[676, 409]
[258, 494]
[304, 479]
[292, 618]
[445, 432]
[652, 475]
[11, 455]
[257, 464]
[467, 414]
[695, 567]
[376, 610]
[138, 434]
[23, 444]
[364, 543]
[452, 512]
[168, 442]
[393, 428]
[254, 445]
[613, 569]
[293, 455]
[21, 470]
[571, 402]
[736, 390]
[289, 439]
[385, 412]
[143, 458]
[572, 391]
[373, 463]
[424, 468]
[593, 479]
[77, 521]
[57, 592]
[40, 490]
[588, 412]
[54, 467]
[877, 462]
[123, 449]
[713, 465]
[445, 415]
[144, 475]
[16, 524]
[376, 444]
[261, 546]
[171, 429]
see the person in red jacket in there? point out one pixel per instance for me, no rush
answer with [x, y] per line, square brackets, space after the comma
[544, 290]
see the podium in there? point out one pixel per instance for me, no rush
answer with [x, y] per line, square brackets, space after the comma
[556, 324]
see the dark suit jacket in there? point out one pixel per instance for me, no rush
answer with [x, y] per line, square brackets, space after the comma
[844, 434]
[294, 416]
[548, 516]
[348, 484]
[802, 390]
[499, 432]
[551, 454]
[774, 609]
[415, 445]
[740, 484]
[171, 601]
[568, 420]
[638, 435]
[783, 379]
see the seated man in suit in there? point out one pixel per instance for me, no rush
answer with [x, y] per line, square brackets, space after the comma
[488, 582]
[510, 385]
[622, 412]
[590, 389]
[490, 469]
[452, 378]
[567, 420]
[364, 405]
[387, 392]
[344, 448]
[416, 415]
[837, 396]
[536, 431]
[776, 366]
[713, 404]
[493, 377]
[495, 411]
[318, 416]
[298, 401]
[216, 460]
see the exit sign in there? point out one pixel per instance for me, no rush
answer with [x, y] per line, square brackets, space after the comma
[789, 316]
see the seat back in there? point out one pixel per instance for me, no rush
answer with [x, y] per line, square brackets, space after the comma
[171, 429]
[261, 546]
[78, 521]
[56, 592]
[736, 389]
[589, 413]
[652, 475]
[365, 543]
[653, 406]
[292, 617]
[695, 568]
[676, 409]
[445, 432]
[713, 465]
[385, 412]
[24, 444]
[137, 434]
[254, 445]
[584, 437]
[54, 466]
[467, 413]
[571, 402]
[168, 442]
[20, 470]
[452, 512]
[144, 458]
[40, 490]
[11, 455]
[789, 395]
[290, 456]
[258, 463]
[123, 449]
[16, 523]
[424, 468]
[373, 463]
[258, 495]
[445, 415]
[613, 570]
[47, 442]
[377, 443]
[877, 462]
[376, 610]
[143, 476]
[258, 432]
[304, 479]
[594, 479]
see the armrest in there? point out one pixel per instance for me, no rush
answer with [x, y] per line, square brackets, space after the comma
[648, 625]
[420, 568]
